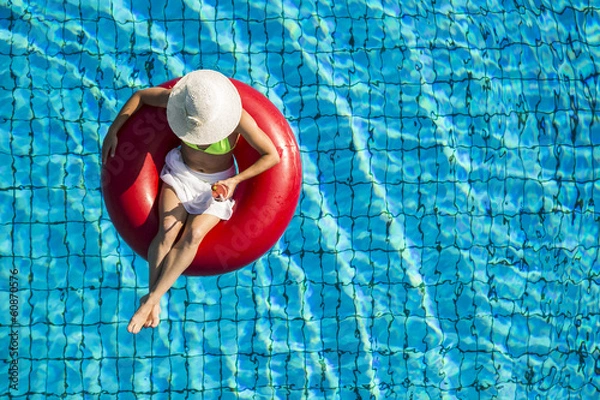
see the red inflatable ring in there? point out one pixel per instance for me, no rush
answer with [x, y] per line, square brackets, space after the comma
[264, 204]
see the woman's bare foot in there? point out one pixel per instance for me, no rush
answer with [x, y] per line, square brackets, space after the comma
[147, 311]
[154, 317]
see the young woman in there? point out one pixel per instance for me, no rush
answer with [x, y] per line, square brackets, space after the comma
[205, 111]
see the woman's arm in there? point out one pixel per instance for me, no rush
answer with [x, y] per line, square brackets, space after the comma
[259, 140]
[156, 96]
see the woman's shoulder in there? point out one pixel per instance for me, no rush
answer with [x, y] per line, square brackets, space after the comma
[155, 96]
[247, 123]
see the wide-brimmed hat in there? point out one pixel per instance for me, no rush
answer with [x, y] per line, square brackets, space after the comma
[204, 107]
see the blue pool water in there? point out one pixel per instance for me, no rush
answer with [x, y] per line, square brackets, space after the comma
[446, 240]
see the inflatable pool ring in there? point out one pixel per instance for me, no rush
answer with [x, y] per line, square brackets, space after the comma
[264, 204]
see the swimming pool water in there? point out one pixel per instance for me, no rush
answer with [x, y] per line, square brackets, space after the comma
[446, 240]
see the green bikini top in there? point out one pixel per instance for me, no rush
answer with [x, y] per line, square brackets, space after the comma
[218, 148]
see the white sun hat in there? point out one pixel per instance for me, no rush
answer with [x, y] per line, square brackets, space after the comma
[204, 107]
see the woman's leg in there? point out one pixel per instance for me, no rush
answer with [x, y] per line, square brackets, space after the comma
[172, 216]
[174, 263]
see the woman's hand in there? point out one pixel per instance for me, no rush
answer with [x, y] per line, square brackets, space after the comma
[230, 185]
[157, 97]
[109, 146]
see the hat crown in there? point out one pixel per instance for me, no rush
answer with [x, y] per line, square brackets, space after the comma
[199, 102]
